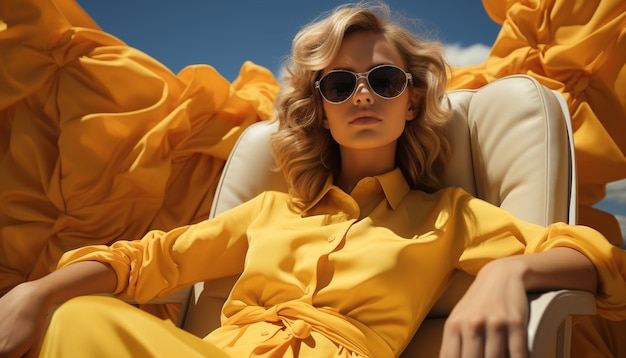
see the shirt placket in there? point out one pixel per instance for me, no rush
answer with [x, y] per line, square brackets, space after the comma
[334, 241]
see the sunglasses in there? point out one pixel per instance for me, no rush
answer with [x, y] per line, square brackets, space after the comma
[386, 81]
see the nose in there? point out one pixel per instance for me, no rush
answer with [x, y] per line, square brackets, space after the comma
[363, 92]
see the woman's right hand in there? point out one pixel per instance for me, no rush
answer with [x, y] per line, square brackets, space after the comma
[24, 313]
[24, 309]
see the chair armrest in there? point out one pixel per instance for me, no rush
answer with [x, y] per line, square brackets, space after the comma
[180, 297]
[550, 316]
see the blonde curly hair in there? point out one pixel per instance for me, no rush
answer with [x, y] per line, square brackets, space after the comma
[305, 151]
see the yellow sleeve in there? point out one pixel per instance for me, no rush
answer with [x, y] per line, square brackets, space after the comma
[162, 262]
[607, 259]
[491, 232]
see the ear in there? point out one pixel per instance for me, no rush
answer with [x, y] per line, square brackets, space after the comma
[410, 113]
[325, 123]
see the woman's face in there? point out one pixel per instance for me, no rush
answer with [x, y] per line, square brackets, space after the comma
[366, 120]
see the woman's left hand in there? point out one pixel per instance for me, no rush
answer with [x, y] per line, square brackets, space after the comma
[492, 317]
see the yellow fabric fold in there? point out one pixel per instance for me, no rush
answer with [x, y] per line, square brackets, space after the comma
[300, 319]
[101, 142]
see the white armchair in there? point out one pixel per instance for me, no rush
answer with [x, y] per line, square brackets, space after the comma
[512, 146]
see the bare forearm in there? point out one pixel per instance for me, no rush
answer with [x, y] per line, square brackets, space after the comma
[558, 268]
[79, 279]
[24, 308]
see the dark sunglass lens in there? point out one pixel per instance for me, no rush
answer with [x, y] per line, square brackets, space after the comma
[337, 86]
[387, 81]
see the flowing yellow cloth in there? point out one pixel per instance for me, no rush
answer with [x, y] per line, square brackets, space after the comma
[99, 141]
[577, 47]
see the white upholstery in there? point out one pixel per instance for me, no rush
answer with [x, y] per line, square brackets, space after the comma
[511, 147]
[519, 157]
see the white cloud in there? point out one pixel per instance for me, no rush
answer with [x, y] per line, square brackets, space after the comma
[616, 191]
[465, 56]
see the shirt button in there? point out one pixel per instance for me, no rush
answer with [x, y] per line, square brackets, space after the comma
[265, 333]
[307, 290]
[331, 238]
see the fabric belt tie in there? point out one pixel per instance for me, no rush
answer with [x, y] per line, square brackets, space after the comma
[297, 327]
[300, 319]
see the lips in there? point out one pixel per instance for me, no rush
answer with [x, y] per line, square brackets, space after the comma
[364, 119]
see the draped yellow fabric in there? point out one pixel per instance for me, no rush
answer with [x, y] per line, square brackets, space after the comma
[577, 47]
[99, 141]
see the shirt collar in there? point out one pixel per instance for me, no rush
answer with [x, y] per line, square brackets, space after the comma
[393, 183]
[395, 186]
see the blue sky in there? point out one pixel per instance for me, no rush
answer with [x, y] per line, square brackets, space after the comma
[224, 34]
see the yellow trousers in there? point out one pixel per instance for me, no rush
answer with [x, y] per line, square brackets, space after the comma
[94, 326]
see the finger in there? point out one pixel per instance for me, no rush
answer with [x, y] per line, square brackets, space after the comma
[496, 340]
[518, 341]
[450, 342]
[473, 339]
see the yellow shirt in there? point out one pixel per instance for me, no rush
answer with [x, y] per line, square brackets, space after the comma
[359, 270]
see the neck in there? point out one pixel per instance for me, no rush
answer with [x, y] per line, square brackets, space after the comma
[358, 164]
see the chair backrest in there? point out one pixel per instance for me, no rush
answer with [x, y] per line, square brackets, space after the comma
[512, 146]
[514, 151]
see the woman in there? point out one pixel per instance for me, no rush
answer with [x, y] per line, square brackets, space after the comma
[323, 267]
